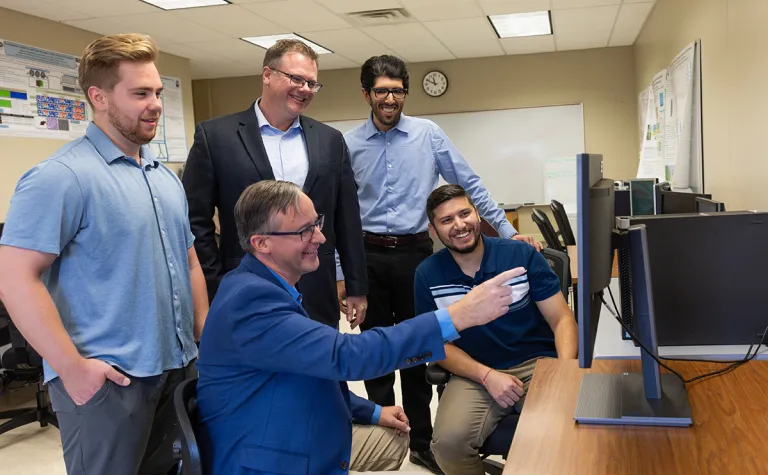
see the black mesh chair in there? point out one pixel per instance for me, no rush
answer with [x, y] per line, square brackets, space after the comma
[546, 230]
[20, 365]
[185, 449]
[499, 441]
[563, 225]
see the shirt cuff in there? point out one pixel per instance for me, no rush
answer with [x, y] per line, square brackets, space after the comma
[376, 415]
[507, 231]
[446, 325]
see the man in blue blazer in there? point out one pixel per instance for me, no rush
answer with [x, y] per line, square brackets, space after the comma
[272, 395]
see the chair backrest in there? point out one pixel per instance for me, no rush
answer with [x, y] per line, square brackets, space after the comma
[546, 230]
[563, 225]
[185, 448]
[561, 265]
[20, 356]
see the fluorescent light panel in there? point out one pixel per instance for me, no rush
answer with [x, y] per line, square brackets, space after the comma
[179, 4]
[514, 25]
[267, 42]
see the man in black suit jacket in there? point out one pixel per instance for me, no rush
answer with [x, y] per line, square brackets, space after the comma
[272, 140]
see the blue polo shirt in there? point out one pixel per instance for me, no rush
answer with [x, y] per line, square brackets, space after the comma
[120, 232]
[514, 338]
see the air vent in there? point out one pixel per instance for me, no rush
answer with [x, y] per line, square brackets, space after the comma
[389, 16]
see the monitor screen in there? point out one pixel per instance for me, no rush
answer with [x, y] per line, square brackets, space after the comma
[704, 205]
[678, 202]
[642, 197]
[595, 202]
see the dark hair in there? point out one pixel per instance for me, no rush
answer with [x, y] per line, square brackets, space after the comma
[441, 195]
[384, 65]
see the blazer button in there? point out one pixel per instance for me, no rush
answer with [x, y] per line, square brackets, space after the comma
[343, 465]
[429, 354]
[407, 361]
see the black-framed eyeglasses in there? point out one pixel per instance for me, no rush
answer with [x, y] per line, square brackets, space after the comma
[299, 81]
[306, 233]
[383, 92]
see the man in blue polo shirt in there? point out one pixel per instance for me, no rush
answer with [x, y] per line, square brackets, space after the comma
[98, 272]
[491, 364]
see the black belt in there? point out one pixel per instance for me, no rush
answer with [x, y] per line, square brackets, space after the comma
[393, 241]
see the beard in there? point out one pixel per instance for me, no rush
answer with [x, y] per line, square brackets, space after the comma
[382, 119]
[130, 129]
[464, 250]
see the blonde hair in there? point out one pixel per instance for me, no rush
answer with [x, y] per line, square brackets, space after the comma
[101, 59]
[276, 52]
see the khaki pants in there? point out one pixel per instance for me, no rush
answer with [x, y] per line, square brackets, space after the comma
[376, 448]
[466, 416]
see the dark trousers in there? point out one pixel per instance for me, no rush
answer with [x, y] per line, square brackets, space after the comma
[120, 430]
[390, 301]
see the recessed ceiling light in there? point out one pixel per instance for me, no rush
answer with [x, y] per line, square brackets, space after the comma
[522, 24]
[267, 42]
[179, 4]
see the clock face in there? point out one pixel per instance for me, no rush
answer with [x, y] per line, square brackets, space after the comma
[435, 83]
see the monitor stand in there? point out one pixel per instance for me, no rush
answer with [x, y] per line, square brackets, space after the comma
[650, 398]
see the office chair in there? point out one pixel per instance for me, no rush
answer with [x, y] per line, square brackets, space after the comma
[20, 364]
[499, 441]
[546, 230]
[185, 450]
[563, 225]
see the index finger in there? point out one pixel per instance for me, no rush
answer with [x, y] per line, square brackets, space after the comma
[505, 277]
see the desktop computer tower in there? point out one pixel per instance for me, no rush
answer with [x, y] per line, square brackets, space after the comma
[708, 274]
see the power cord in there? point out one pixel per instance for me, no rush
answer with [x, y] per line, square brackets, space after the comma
[731, 364]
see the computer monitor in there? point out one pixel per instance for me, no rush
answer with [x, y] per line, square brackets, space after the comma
[678, 202]
[642, 199]
[647, 398]
[705, 205]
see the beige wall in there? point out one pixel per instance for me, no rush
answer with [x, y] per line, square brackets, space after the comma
[734, 97]
[17, 155]
[601, 79]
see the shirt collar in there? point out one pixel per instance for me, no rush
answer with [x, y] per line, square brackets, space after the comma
[263, 122]
[403, 125]
[290, 288]
[110, 152]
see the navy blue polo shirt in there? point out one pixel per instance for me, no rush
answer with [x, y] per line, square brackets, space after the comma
[518, 336]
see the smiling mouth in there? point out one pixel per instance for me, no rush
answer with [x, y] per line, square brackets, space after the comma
[462, 235]
[309, 253]
[388, 109]
[298, 98]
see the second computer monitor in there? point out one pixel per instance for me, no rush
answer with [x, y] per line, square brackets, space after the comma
[678, 202]
[704, 205]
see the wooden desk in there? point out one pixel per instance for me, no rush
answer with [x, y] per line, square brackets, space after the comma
[574, 258]
[728, 436]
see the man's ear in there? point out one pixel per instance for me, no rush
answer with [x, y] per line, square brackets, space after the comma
[366, 95]
[433, 231]
[260, 244]
[98, 98]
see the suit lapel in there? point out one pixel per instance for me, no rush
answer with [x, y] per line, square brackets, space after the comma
[313, 152]
[251, 137]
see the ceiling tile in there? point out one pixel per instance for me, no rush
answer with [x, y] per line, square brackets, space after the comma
[350, 43]
[529, 44]
[102, 26]
[629, 23]
[448, 11]
[312, 17]
[249, 1]
[219, 69]
[168, 25]
[188, 50]
[500, 7]
[347, 6]
[44, 10]
[583, 28]
[411, 41]
[234, 49]
[637, 1]
[335, 61]
[432, 3]
[467, 37]
[232, 20]
[564, 4]
[104, 8]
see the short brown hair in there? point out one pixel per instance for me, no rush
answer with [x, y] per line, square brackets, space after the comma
[278, 50]
[101, 59]
[441, 195]
[257, 206]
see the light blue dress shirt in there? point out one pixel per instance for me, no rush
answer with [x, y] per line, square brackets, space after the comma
[120, 231]
[287, 151]
[396, 171]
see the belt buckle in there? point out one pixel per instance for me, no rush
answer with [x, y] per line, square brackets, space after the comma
[394, 242]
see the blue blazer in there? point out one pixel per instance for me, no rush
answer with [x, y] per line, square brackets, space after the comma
[272, 396]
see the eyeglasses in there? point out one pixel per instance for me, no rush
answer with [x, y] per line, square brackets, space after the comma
[299, 81]
[306, 233]
[383, 92]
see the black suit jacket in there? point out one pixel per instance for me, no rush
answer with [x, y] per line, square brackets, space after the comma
[227, 156]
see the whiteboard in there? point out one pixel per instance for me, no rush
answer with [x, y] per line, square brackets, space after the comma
[508, 148]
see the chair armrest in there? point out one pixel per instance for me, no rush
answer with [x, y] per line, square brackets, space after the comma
[437, 375]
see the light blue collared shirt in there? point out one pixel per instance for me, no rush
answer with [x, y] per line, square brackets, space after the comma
[287, 151]
[120, 231]
[443, 318]
[396, 171]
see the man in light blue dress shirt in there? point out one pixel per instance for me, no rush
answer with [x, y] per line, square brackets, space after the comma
[397, 161]
[98, 272]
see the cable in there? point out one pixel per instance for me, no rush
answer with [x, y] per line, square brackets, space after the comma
[733, 365]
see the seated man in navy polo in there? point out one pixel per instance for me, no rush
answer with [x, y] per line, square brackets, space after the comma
[490, 364]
